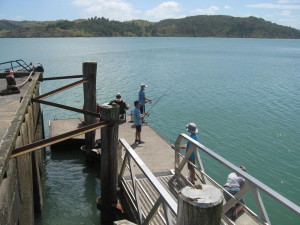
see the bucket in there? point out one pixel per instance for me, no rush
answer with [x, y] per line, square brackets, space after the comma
[132, 115]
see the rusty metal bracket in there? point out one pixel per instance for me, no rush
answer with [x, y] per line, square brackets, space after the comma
[61, 89]
[59, 138]
[61, 77]
[66, 107]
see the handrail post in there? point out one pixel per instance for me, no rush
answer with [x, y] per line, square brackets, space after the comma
[109, 162]
[89, 91]
[260, 205]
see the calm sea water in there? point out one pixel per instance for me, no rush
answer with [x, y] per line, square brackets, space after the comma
[242, 93]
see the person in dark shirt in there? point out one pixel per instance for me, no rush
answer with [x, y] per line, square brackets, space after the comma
[123, 105]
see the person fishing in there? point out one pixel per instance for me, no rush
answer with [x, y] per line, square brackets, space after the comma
[138, 117]
[142, 98]
[193, 130]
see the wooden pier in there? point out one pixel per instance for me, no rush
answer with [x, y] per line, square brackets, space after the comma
[155, 152]
[152, 176]
[157, 156]
[21, 124]
[10, 104]
[148, 179]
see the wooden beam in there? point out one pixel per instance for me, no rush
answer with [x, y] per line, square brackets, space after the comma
[66, 107]
[59, 138]
[61, 77]
[89, 71]
[61, 89]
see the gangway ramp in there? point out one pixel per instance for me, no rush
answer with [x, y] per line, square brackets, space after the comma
[168, 170]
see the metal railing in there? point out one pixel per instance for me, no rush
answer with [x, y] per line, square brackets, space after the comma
[134, 192]
[16, 65]
[252, 184]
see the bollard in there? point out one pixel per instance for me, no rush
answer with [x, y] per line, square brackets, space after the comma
[200, 206]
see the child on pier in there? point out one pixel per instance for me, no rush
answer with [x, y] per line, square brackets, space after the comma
[191, 128]
[138, 120]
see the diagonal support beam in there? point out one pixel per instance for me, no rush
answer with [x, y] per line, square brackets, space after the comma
[59, 138]
[61, 77]
[61, 89]
[66, 107]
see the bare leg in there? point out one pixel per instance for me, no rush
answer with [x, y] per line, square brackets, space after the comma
[139, 136]
[136, 136]
[192, 175]
[239, 208]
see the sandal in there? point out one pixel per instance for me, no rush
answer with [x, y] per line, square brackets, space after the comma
[234, 215]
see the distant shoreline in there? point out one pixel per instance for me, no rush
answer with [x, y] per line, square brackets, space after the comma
[194, 26]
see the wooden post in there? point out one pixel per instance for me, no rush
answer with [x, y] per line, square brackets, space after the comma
[109, 162]
[200, 206]
[123, 222]
[89, 91]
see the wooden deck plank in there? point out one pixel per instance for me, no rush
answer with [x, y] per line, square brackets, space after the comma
[10, 105]
[156, 153]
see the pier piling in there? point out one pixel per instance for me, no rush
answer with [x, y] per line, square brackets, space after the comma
[200, 206]
[109, 161]
[89, 91]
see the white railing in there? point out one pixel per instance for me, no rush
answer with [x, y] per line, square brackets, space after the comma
[134, 192]
[252, 184]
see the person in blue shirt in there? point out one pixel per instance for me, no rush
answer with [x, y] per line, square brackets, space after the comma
[191, 128]
[138, 120]
[142, 98]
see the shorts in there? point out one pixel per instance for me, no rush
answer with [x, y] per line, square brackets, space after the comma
[190, 167]
[138, 128]
[232, 191]
[142, 109]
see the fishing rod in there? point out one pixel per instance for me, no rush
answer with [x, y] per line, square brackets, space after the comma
[157, 97]
[147, 113]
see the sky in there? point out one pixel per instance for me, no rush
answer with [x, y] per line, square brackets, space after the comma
[283, 12]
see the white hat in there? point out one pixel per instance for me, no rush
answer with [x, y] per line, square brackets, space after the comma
[143, 85]
[191, 128]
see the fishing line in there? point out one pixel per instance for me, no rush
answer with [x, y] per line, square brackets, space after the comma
[157, 100]
[157, 97]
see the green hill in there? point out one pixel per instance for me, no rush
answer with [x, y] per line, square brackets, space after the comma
[194, 26]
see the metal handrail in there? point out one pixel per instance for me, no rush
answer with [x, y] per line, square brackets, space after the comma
[19, 63]
[164, 197]
[253, 184]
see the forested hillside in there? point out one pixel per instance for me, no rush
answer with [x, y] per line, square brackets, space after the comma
[195, 26]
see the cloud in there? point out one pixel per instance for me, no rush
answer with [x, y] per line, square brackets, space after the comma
[87, 2]
[286, 13]
[227, 7]
[209, 11]
[112, 9]
[288, 1]
[165, 10]
[274, 6]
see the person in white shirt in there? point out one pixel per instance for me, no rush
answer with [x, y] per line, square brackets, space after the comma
[233, 185]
